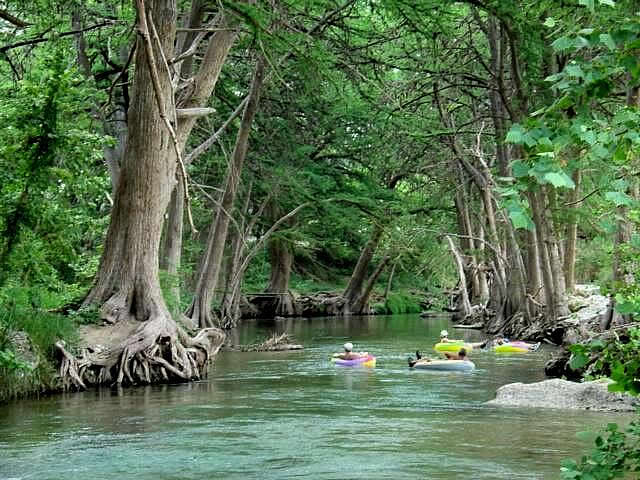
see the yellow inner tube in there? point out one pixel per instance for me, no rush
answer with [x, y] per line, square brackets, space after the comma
[452, 347]
[506, 348]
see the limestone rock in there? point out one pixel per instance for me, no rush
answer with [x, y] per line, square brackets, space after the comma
[557, 393]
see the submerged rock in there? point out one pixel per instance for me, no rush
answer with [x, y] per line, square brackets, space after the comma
[557, 393]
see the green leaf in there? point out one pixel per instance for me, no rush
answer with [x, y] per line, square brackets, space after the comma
[589, 136]
[515, 134]
[578, 360]
[626, 307]
[611, 3]
[590, 4]
[608, 41]
[562, 43]
[599, 151]
[618, 198]
[520, 169]
[559, 179]
[521, 220]
[549, 22]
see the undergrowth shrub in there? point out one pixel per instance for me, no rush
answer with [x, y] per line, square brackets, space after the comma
[28, 333]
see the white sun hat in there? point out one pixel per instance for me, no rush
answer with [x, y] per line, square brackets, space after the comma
[348, 346]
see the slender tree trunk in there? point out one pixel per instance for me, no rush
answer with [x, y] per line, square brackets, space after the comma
[387, 289]
[173, 238]
[209, 271]
[498, 113]
[467, 243]
[537, 208]
[204, 84]
[484, 285]
[534, 274]
[356, 282]
[465, 304]
[281, 261]
[115, 122]
[555, 256]
[572, 237]
[361, 303]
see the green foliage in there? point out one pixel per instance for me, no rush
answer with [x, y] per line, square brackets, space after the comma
[398, 303]
[49, 207]
[616, 455]
[618, 359]
[12, 363]
[616, 452]
[25, 309]
[27, 336]
[594, 262]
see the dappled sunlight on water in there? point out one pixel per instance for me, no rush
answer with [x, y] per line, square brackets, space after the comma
[293, 414]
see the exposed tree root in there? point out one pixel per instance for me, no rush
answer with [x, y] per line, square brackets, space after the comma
[158, 351]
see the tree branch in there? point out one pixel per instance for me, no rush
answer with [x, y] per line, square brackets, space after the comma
[12, 19]
[35, 41]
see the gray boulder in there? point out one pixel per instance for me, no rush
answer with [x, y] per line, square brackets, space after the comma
[557, 393]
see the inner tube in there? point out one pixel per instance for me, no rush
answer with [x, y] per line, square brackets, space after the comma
[452, 347]
[446, 365]
[368, 361]
[514, 347]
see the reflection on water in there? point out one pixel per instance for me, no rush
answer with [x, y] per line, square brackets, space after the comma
[292, 414]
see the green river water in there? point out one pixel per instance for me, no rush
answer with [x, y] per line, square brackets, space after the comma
[294, 415]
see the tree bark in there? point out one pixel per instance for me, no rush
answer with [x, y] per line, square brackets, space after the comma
[465, 303]
[361, 303]
[359, 275]
[387, 289]
[127, 285]
[205, 81]
[209, 271]
[536, 199]
[572, 237]
[281, 261]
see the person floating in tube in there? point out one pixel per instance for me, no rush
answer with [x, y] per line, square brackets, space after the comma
[461, 355]
[444, 338]
[418, 360]
[349, 354]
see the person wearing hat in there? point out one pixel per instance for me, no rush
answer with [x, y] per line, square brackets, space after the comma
[349, 354]
[444, 338]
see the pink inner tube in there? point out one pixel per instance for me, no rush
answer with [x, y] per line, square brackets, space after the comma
[355, 361]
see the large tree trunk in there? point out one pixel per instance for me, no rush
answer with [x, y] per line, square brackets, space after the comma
[127, 286]
[209, 271]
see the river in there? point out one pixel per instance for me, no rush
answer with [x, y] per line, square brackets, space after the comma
[294, 415]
